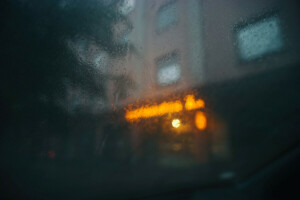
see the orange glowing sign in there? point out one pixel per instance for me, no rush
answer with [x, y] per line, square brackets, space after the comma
[200, 120]
[192, 104]
[153, 111]
[148, 111]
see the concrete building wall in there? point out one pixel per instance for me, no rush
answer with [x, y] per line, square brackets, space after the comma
[220, 17]
[159, 44]
[183, 37]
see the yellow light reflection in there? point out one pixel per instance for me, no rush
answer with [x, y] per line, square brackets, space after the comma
[200, 120]
[192, 104]
[176, 123]
[153, 111]
[148, 111]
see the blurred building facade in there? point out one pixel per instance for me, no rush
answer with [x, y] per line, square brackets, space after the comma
[180, 44]
[177, 45]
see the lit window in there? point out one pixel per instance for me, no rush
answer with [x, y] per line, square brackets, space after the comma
[167, 16]
[260, 38]
[168, 70]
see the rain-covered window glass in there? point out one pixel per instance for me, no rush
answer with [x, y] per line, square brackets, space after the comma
[260, 38]
[169, 70]
[122, 30]
[124, 37]
[127, 6]
[101, 60]
[167, 15]
[149, 99]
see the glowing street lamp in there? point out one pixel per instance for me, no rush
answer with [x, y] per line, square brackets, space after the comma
[176, 123]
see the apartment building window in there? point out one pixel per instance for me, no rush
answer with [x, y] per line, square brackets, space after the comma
[167, 16]
[259, 38]
[169, 70]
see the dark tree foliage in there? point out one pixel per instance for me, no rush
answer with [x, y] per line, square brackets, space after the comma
[36, 60]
